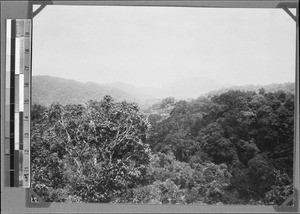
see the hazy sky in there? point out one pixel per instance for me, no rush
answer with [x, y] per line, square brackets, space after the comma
[152, 46]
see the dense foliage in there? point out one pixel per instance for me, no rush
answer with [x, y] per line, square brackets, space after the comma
[251, 133]
[89, 153]
[232, 148]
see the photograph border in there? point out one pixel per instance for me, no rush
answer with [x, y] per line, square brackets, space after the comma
[18, 199]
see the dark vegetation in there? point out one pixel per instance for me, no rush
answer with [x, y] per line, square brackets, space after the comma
[231, 148]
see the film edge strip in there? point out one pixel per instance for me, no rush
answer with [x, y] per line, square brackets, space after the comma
[17, 103]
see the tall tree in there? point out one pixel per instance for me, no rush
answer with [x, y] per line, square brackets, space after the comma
[99, 149]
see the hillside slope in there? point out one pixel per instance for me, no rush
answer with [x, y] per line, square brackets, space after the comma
[286, 87]
[46, 90]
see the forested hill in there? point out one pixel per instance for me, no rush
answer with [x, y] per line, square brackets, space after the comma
[288, 87]
[47, 89]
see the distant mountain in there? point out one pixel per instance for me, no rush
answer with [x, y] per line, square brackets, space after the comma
[189, 88]
[286, 87]
[47, 90]
[182, 89]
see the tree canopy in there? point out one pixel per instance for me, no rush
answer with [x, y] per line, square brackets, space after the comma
[231, 148]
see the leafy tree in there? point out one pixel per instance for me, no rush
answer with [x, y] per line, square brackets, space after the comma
[246, 151]
[98, 150]
[219, 148]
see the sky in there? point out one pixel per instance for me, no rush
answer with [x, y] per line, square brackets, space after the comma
[154, 46]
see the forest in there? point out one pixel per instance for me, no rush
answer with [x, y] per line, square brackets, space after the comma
[231, 148]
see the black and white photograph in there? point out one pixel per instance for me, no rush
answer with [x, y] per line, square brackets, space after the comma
[163, 105]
